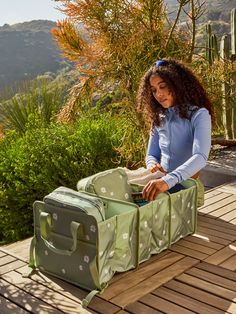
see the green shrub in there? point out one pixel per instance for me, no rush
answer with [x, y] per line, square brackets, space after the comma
[42, 159]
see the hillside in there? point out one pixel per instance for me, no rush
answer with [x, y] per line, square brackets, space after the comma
[26, 50]
[215, 10]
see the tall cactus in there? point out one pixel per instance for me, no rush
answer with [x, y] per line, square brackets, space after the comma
[225, 88]
[233, 77]
[227, 54]
[233, 33]
[211, 45]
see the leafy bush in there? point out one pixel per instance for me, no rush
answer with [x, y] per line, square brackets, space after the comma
[42, 159]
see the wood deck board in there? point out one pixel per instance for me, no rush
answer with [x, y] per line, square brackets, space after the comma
[163, 304]
[222, 255]
[141, 308]
[214, 222]
[195, 239]
[51, 298]
[148, 285]
[141, 274]
[209, 287]
[197, 274]
[224, 205]
[24, 300]
[213, 200]
[185, 301]
[8, 307]
[211, 193]
[203, 296]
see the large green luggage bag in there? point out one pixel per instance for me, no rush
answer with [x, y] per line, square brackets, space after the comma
[175, 210]
[84, 238]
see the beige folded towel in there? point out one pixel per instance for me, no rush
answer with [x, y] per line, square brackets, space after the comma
[142, 175]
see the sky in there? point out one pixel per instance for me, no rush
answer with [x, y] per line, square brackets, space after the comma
[17, 11]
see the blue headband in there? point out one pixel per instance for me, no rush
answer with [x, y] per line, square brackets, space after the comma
[160, 63]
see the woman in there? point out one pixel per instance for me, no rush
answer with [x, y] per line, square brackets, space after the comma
[180, 137]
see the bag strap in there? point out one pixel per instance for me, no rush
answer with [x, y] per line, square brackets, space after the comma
[85, 302]
[31, 265]
[45, 222]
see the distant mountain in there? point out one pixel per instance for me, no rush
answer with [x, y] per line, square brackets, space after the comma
[215, 10]
[26, 50]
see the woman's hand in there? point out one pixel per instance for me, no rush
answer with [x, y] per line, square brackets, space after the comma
[153, 188]
[157, 167]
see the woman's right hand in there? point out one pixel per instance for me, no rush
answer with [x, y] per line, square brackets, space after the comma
[157, 167]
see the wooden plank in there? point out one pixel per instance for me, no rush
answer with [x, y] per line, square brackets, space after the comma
[185, 301]
[19, 248]
[7, 307]
[203, 296]
[2, 254]
[216, 222]
[215, 199]
[213, 278]
[203, 241]
[189, 252]
[223, 210]
[13, 255]
[206, 286]
[203, 233]
[229, 216]
[6, 260]
[210, 238]
[50, 297]
[25, 300]
[218, 270]
[18, 244]
[134, 278]
[164, 305]
[211, 193]
[233, 222]
[195, 246]
[11, 266]
[225, 203]
[229, 188]
[222, 255]
[141, 308]
[133, 294]
[151, 260]
[222, 229]
[230, 263]
[216, 233]
[72, 292]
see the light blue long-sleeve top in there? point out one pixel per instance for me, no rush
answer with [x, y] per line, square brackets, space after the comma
[181, 146]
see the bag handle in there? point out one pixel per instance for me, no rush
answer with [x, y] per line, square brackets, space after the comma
[45, 222]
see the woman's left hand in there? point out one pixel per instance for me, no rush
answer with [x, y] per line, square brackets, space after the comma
[153, 188]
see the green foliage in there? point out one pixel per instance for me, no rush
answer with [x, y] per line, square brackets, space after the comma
[42, 96]
[42, 159]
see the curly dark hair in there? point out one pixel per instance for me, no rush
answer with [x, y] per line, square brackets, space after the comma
[182, 82]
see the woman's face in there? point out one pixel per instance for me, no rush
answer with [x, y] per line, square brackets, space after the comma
[161, 91]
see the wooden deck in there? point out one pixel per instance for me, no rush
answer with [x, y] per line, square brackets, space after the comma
[197, 275]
